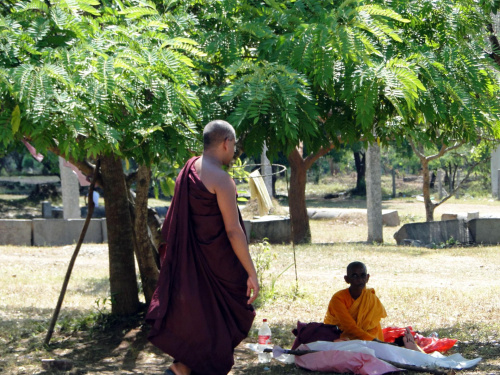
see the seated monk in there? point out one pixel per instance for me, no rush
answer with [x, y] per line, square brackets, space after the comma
[357, 311]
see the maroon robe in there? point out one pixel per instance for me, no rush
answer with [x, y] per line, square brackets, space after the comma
[199, 311]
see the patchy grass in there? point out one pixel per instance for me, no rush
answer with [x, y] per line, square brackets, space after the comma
[451, 291]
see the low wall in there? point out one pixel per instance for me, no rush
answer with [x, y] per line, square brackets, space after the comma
[433, 232]
[50, 232]
[16, 232]
[484, 231]
[277, 229]
[60, 232]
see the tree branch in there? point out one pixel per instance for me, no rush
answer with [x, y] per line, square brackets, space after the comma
[459, 185]
[444, 150]
[441, 152]
[86, 167]
[419, 154]
[311, 158]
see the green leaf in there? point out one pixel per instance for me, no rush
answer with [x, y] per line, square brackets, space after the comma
[16, 119]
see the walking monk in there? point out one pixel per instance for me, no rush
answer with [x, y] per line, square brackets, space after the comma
[201, 309]
[356, 311]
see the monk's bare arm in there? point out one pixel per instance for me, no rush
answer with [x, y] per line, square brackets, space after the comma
[224, 189]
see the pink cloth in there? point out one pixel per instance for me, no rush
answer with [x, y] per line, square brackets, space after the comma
[343, 361]
[38, 157]
[82, 179]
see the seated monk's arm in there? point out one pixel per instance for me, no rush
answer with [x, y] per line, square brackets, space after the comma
[226, 199]
[348, 325]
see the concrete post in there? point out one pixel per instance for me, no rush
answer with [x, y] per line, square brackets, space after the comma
[70, 192]
[374, 193]
[393, 183]
[440, 183]
[267, 171]
[498, 184]
[46, 210]
[495, 165]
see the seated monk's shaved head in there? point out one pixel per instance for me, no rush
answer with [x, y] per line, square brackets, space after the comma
[217, 131]
[353, 265]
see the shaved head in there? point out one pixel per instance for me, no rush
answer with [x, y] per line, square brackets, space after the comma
[353, 265]
[217, 131]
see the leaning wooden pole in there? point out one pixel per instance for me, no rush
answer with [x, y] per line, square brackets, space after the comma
[75, 254]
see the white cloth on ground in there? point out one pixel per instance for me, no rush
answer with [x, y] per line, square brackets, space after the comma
[398, 355]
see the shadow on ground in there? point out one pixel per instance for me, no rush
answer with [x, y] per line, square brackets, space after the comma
[120, 346]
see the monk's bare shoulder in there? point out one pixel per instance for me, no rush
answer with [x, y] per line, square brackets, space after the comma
[213, 177]
[222, 182]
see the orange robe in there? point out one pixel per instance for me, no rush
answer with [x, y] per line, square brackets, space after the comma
[357, 319]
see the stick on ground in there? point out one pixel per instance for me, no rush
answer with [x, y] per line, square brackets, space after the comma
[75, 254]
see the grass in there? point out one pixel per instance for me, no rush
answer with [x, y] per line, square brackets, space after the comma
[451, 291]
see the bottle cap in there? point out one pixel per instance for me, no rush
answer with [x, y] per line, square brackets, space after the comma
[264, 320]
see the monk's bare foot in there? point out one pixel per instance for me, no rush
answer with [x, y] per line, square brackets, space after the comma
[180, 369]
[409, 341]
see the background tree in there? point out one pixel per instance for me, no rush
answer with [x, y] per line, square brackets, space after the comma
[290, 88]
[360, 164]
[459, 105]
[108, 80]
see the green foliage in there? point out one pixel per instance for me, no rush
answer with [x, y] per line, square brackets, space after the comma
[263, 257]
[313, 71]
[91, 78]
[459, 102]
[272, 93]
[99, 319]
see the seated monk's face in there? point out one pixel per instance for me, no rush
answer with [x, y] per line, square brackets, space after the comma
[357, 277]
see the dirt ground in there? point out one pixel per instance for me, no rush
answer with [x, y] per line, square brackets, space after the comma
[112, 347]
[123, 348]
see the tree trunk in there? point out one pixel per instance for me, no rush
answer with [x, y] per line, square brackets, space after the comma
[426, 191]
[154, 224]
[374, 194]
[122, 276]
[301, 231]
[143, 245]
[359, 161]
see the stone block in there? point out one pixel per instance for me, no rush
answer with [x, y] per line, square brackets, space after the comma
[65, 232]
[472, 215]
[104, 231]
[434, 232]
[248, 228]
[57, 213]
[311, 212]
[15, 232]
[324, 214]
[485, 231]
[46, 210]
[99, 212]
[277, 229]
[448, 216]
[460, 216]
[390, 218]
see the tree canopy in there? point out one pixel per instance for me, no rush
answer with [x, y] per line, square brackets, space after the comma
[88, 78]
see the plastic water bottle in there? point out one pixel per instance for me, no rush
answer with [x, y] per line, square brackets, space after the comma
[264, 342]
